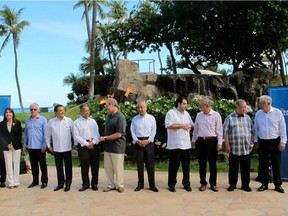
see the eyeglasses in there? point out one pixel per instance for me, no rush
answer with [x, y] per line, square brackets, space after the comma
[33, 109]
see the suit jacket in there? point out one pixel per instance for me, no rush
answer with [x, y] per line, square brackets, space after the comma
[15, 136]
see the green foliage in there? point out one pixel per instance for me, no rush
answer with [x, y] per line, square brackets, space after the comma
[158, 108]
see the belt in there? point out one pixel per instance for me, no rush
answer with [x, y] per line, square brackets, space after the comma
[207, 138]
[142, 138]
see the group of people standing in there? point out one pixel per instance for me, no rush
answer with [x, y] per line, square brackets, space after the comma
[268, 135]
[206, 135]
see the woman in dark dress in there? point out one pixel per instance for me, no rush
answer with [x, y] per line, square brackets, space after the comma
[11, 132]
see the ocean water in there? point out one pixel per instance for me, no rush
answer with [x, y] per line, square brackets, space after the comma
[27, 109]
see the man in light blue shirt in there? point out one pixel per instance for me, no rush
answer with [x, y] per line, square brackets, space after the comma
[34, 140]
[270, 139]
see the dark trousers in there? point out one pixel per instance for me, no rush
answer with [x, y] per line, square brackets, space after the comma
[207, 151]
[177, 156]
[244, 161]
[268, 149]
[88, 158]
[145, 155]
[38, 158]
[2, 168]
[59, 157]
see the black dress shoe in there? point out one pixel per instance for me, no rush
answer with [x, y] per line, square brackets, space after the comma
[262, 188]
[67, 188]
[279, 189]
[94, 188]
[32, 185]
[154, 189]
[231, 188]
[44, 185]
[83, 188]
[2, 185]
[188, 188]
[58, 187]
[138, 189]
[172, 189]
[246, 188]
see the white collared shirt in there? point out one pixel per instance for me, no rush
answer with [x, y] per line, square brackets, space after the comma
[178, 138]
[61, 133]
[270, 125]
[143, 126]
[86, 129]
[209, 125]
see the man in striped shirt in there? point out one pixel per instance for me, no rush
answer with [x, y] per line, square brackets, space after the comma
[237, 132]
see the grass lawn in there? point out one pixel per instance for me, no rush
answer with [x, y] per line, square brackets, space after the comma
[162, 166]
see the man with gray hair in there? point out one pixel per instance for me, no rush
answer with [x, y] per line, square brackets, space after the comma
[35, 142]
[208, 135]
[143, 131]
[270, 139]
[238, 130]
[114, 146]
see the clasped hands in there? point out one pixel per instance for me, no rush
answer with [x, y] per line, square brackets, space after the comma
[187, 126]
[90, 145]
[142, 143]
[10, 147]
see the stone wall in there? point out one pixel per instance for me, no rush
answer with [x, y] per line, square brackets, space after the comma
[149, 86]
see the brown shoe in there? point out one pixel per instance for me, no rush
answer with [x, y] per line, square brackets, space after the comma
[108, 189]
[214, 188]
[120, 189]
[202, 188]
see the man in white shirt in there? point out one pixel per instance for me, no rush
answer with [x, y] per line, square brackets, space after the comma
[60, 129]
[143, 131]
[179, 124]
[86, 134]
[208, 135]
[270, 139]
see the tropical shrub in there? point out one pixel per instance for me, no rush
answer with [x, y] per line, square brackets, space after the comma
[158, 108]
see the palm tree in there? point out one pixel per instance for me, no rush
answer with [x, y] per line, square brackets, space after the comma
[96, 7]
[11, 27]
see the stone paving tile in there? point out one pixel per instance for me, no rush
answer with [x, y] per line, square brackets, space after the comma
[36, 201]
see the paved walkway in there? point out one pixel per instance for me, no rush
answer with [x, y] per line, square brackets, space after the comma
[36, 201]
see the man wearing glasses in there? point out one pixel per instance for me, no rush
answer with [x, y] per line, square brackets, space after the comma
[34, 140]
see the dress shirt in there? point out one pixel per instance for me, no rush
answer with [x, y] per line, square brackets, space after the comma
[85, 129]
[60, 131]
[209, 125]
[34, 133]
[143, 126]
[270, 125]
[239, 130]
[178, 138]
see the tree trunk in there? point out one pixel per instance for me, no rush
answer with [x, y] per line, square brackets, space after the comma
[169, 47]
[160, 61]
[16, 75]
[92, 52]
[282, 72]
[87, 20]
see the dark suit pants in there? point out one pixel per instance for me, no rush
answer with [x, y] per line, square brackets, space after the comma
[145, 155]
[59, 157]
[38, 158]
[2, 168]
[207, 151]
[244, 161]
[269, 149]
[89, 158]
[177, 156]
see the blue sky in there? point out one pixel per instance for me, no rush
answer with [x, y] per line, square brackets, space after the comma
[51, 47]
